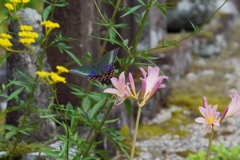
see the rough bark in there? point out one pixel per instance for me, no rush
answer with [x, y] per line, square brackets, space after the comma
[76, 21]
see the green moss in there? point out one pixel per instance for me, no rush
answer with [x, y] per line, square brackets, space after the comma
[171, 126]
[21, 149]
[128, 142]
[184, 154]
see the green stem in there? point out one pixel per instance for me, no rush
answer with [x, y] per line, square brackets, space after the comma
[139, 31]
[193, 32]
[26, 112]
[98, 130]
[213, 14]
[47, 36]
[64, 119]
[113, 18]
[210, 142]
[137, 37]
[128, 50]
[135, 132]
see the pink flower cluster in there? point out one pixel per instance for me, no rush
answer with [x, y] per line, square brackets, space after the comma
[210, 115]
[151, 81]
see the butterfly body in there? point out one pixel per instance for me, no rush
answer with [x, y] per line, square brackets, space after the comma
[102, 70]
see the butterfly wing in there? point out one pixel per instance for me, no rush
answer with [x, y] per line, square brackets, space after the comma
[102, 70]
[108, 58]
[83, 71]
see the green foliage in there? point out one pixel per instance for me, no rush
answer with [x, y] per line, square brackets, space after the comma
[219, 152]
[94, 107]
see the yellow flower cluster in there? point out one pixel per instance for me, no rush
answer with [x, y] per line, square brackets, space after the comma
[62, 69]
[15, 1]
[4, 40]
[51, 78]
[25, 1]
[26, 28]
[50, 26]
[19, 1]
[9, 6]
[27, 37]
[13, 6]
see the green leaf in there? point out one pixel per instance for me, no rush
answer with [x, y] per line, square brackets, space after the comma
[111, 33]
[7, 18]
[126, 42]
[111, 121]
[163, 10]
[73, 57]
[49, 116]
[131, 10]
[63, 149]
[24, 75]
[23, 132]
[10, 134]
[96, 107]
[19, 83]
[46, 12]
[128, 107]
[15, 93]
[86, 104]
[140, 1]
[63, 4]
[109, 40]
[120, 138]
[91, 158]
[50, 153]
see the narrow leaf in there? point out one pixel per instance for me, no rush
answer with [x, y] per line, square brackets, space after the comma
[128, 107]
[10, 134]
[96, 108]
[111, 121]
[15, 93]
[50, 153]
[131, 10]
[86, 104]
[46, 12]
[73, 57]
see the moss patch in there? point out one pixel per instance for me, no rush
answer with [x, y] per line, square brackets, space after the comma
[171, 126]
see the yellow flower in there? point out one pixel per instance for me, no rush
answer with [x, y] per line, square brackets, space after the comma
[28, 34]
[56, 78]
[15, 1]
[27, 40]
[4, 35]
[50, 78]
[50, 24]
[26, 28]
[62, 69]
[42, 73]
[9, 6]
[25, 1]
[5, 43]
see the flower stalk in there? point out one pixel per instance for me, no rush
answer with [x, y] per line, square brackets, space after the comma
[135, 132]
[210, 143]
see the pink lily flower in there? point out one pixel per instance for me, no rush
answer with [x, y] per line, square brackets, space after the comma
[234, 106]
[150, 83]
[209, 114]
[121, 89]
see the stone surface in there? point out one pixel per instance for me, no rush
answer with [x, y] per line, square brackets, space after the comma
[197, 11]
[26, 63]
[155, 31]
